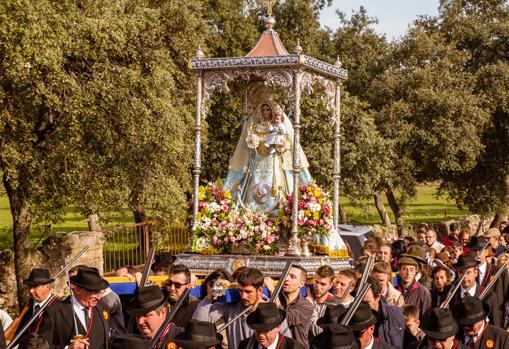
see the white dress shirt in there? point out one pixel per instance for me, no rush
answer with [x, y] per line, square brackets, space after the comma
[40, 304]
[370, 345]
[78, 310]
[470, 292]
[482, 272]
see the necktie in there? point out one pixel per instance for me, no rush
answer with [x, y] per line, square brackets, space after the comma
[36, 308]
[87, 318]
[466, 294]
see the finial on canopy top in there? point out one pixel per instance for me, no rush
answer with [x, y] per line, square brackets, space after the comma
[338, 63]
[298, 48]
[199, 53]
[269, 20]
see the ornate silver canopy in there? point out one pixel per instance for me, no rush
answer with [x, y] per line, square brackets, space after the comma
[270, 64]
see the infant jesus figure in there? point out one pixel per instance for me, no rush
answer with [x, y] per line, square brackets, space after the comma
[275, 140]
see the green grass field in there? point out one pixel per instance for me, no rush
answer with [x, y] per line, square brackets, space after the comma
[425, 208]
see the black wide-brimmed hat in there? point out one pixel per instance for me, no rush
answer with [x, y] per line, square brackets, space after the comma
[335, 336]
[331, 315]
[470, 310]
[477, 242]
[465, 262]
[38, 276]
[89, 279]
[439, 324]
[145, 300]
[265, 317]
[198, 334]
[363, 317]
[128, 342]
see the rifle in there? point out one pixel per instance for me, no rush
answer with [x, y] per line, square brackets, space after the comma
[37, 314]
[166, 323]
[274, 294]
[492, 282]
[479, 226]
[355, 304]
[143, 283]
[11, 330]
[451, 293]
[343, 298]
[367, 271]
[281, 282]
[242, 313]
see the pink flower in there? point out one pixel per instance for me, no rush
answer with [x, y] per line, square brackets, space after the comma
[301, 204]
[225, 208]
[326, 209]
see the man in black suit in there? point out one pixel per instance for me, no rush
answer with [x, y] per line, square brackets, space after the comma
[363, 326]
[440, 329]
[39, 290]
[471, 314]
[265, 321]
[79, 321]
[469, 287]
[150, 309]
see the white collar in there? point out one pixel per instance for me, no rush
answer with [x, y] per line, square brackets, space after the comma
[43, 302]
[77, 305]
[482, 267]
[470, 292]
[273, 345]
[370, 345]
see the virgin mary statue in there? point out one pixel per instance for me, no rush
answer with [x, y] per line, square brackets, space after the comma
[260, 171]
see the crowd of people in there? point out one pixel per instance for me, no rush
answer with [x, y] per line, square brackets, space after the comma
[448, 293]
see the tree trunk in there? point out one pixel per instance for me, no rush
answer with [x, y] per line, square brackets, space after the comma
[21, 220]
[503, 213]
[380, 207]
[93, 222]
[396, 209]
[342, 215]
[144, 231]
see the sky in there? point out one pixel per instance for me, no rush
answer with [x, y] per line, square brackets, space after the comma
[394, 16]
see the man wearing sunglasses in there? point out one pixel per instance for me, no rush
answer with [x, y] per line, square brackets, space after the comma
[179, 279]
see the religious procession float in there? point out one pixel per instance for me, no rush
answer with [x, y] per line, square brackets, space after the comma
[268, 209]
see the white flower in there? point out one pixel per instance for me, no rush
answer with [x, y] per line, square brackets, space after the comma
[301, 214]
[315, 207]
[266, 247]
[252, 141]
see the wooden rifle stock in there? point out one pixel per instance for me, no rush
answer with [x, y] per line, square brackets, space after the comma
[166, 323]
[13, 327]
[38, 313]
[492, 282]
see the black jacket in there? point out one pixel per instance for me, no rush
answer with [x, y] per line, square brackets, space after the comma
[492, 300]
[493, 338]
[58, 325]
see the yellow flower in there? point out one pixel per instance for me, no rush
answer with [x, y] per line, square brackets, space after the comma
[198, 216]
[227, 195]
[317, 193]
[308, 213]
[316, 215]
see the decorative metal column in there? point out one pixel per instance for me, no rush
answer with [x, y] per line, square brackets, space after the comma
[197, 146]
[337, 152]
[294, 243]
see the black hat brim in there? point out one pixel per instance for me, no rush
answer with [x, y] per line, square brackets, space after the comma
[139, 309]
[444, 334]
[269, 326]
[182, 340]
[415, 258]
[102, 285]
[366, 324]
[37, 282]
[470, 321]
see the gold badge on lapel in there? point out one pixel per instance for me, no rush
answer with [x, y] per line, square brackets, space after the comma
[106, 315]
[490, 344]
[171, 345]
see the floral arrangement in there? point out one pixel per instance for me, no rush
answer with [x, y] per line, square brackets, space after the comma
[315, 211]
[222, 226]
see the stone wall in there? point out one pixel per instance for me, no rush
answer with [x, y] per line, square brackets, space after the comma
[51, 256]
